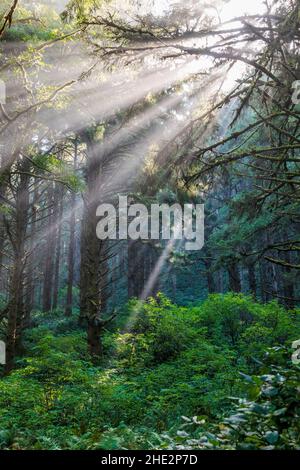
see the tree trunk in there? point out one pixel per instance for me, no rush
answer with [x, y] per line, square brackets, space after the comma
[142, 260]
[59, 207]
[69, 301]
[30, 288]
[211, 287]
[134, 268]
[288, 285]
[2, 238]
[49, 259]
[94, 339]
[252, 279]
[71, 254]
[92, 249]
[234, 277]
[16, 300]
[14, 312]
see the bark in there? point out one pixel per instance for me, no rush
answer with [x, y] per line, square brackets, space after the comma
[155, 288]
[234, 277]
[30, 288]
[8, 18]
[70, 282]
[2, 237]
[142, 260]
[135, 272]
[174, 284]
[220, 281]
[265, 295]
[211, 287]
[252, 279]
[59, 206]
[94, 339]
[16, 300]
[71, 254]
[49, 264]
[92, 250]
[289, 292]
[14, 310]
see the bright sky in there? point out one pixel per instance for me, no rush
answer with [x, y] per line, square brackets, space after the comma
[234, 8]
[230, 8]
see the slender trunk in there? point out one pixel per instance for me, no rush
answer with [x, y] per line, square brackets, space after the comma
[2, 237]
[289, 292]
[142, 260]
[49, 265]
[69, 301]
[174, 284]
[264, 284]
[71, 254]
[155, 288]
[252, 279]
[134, 272]
[58, 249]
[211, 287]
[220, 279]
[30, 289]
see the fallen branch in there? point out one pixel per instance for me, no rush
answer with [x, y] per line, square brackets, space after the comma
[8, 18]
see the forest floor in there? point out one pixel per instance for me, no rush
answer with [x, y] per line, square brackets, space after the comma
[177, 368]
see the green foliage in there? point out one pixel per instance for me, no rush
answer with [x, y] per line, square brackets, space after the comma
[33, 23]
[163, 329]
[267, 419]
[247, 325]
[59, 169]
[165, 362]
[80, 9]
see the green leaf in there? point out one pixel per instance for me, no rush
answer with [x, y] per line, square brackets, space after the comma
[272, 437]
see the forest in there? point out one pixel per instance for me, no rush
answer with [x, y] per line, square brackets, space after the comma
[136, 343]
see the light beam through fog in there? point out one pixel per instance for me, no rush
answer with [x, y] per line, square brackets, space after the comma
[97, 95]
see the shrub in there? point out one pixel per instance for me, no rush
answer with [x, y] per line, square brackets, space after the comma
[267, 419]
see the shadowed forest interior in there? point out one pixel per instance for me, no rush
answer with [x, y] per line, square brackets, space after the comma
[142, 344]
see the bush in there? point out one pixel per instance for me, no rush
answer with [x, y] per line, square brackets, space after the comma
[267, 419]
[234, 318]
[167, 361]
